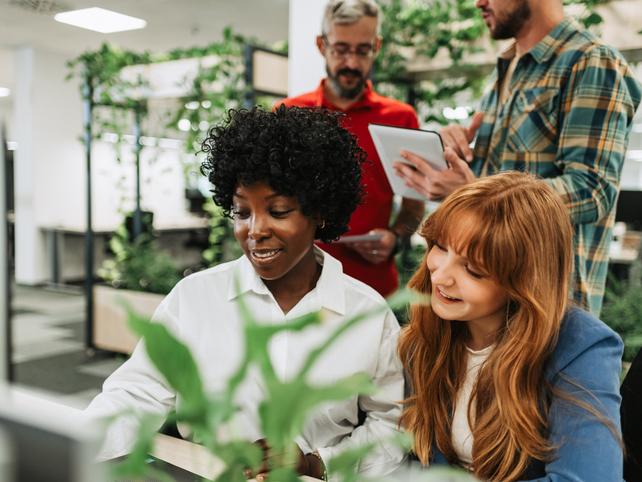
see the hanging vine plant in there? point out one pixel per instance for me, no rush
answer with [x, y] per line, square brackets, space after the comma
[431, 28]
[217, 86]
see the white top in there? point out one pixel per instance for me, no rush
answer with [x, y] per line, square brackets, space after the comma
[201, 310]
[462, 437]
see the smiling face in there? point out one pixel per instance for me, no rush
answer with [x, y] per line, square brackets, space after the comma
[504, 18]
[462, 291]
[349, 51]
[274, 234]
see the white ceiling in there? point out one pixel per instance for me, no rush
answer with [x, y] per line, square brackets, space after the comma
[170, 23]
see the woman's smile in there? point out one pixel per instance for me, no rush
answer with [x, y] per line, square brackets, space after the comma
[443, 297]
[265, 256]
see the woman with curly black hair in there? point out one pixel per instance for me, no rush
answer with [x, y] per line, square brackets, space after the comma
[286, 178]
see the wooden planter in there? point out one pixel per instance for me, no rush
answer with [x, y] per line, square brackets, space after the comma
[111, 331]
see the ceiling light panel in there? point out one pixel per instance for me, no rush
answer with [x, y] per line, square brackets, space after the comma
[100, 20]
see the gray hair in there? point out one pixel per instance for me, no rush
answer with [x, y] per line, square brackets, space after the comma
[345, 12]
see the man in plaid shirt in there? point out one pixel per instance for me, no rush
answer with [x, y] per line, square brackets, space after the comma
[560, 107]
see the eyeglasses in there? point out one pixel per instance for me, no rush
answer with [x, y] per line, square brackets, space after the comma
[341, 50]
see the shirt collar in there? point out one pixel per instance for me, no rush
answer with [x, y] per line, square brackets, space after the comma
[543, 50]
[330, 287]
[366, 101]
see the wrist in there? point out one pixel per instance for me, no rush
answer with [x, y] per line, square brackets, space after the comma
[399, 240]
[315, 465]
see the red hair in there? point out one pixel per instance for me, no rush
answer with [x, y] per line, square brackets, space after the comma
[521, 238]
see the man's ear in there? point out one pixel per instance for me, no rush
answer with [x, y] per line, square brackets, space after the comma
[377, 43]
[321, 44]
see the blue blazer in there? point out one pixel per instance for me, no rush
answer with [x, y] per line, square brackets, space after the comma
[588, 353]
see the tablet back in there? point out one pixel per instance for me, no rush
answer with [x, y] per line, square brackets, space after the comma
[389, 141]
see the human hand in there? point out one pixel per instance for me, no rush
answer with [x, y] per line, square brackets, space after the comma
[306, 464]
[376, 251]
[430, 182]
[458, 137]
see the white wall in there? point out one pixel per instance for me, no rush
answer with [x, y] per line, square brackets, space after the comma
[50, 167]
[306, 66]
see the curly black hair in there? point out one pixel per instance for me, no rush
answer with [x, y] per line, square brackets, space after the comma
[299, 152]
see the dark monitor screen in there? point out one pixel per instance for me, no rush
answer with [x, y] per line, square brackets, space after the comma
[629, 209]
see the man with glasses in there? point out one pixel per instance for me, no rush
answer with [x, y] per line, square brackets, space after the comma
[349, 43]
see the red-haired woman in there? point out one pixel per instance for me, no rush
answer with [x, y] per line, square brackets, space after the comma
[508, 379]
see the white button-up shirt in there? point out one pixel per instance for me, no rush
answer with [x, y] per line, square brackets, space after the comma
[202, 311]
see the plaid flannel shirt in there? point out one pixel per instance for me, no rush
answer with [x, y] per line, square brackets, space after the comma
[567, 119]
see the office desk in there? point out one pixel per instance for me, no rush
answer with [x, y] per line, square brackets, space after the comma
[55, 235]
[192, 457]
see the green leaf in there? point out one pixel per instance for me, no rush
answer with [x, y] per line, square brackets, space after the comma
[283, 474]
[136, 465]
[287, 404]
[174, 361]
[593, 18]
[345, 465]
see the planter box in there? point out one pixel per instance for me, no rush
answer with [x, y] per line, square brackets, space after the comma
[111, 331]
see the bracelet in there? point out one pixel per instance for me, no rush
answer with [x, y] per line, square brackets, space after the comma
[324, 475]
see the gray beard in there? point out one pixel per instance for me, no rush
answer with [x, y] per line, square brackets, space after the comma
[348, 94]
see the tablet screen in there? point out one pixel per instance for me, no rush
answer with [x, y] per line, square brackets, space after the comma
[390, 141]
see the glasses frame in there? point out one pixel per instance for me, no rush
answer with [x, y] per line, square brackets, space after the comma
[332, 49]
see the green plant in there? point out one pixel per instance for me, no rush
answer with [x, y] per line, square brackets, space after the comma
[282, 413]
[431, 28]
[622, 309]
[222, 245]
[138, 264]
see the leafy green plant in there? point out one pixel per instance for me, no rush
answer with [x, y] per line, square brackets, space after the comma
[622, 309]
[138, 264]
[282, 413]
[222, 245]
[430, 28]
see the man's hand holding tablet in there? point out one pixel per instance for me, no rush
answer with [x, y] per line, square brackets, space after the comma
[433, 184]
[391, 141]
[417, 174]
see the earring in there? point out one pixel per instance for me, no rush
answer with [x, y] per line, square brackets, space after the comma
[322, 224]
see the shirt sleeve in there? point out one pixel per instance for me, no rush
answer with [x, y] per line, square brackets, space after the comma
[382, 410]
[587, 448]
[136, 386]
[596, 114]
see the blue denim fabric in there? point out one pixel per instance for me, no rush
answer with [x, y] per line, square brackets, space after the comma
[589, 355]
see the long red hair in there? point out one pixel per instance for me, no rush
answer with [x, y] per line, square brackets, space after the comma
[522, 238]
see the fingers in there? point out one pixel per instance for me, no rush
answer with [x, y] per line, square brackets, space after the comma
[376, 251]
[455, 137]
[412, 178]
[460, 171]
[420, 164]
[475, 123]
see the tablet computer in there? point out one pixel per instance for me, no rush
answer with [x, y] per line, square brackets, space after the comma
[390, 141]
[359, 238]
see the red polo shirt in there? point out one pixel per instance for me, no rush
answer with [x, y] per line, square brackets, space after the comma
[375, 209]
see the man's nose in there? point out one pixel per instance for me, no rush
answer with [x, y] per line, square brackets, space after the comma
[352, 60]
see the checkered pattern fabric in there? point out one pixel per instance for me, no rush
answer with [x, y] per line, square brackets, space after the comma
[567, 119]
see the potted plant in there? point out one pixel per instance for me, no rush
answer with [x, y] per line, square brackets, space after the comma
[141, 275]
